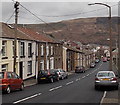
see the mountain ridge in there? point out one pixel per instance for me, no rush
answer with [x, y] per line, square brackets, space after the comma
[86, 30]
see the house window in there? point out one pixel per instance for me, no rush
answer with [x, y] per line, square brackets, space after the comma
[29, 68]
[29, 49]
[47, 64]
[13, 47]
[4, 67]
[42, 65]
[22, 49]
[47, 50]
[51, 50]
[36, 50]
[52, 63]
[4, 48]
[42, 50]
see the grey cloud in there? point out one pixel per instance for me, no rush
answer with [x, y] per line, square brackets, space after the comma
[53, 9]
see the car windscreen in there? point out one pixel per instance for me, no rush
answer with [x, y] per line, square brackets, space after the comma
[43, 72]
[105, 74]
[1, 75]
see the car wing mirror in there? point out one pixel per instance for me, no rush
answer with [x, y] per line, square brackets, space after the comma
[18, 77]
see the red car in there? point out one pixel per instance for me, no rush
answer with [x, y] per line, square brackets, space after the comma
[10, 81]
[104, 59]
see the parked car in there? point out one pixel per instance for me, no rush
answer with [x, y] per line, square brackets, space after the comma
[108, 58]
[92, 65]
[47, 75]
[80, 69]
[104, 59]
[97, 60]
[106, 78]
[10, 81]
[62, 73]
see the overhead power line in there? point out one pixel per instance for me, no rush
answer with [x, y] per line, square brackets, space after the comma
[57, 16]
[40, 18]
[10, 17]
[80, 13]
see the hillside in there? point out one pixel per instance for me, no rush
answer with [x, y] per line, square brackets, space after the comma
[85, 30]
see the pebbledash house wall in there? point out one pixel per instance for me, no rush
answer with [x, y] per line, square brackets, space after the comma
[26, 59]
[6, 59]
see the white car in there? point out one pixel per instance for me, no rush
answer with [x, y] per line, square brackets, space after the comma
[106, 78]
[62, 73]
[92, 65]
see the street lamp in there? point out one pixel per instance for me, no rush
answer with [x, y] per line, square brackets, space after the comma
[110, 65]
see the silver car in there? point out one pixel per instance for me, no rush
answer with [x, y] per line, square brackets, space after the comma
[106, 78]
[92, 65]
[62, 73]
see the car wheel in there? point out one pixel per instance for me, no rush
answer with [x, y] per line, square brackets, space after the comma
[58, 79]
[38, 82]
[62, 77]
[8, 90]
[96, 87]
[116, 87]
[66, 77]
[51, 80]
[22, 87]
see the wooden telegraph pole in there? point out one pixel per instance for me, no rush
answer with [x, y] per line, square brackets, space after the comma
[15, 39]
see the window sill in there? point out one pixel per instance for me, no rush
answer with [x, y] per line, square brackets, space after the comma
[30, 56]
[29, 74]
[22, 56]
[16, 56]
[4, 57]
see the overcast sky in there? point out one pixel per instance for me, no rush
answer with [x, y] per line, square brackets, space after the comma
[52, 11]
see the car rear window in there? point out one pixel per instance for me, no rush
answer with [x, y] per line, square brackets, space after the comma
[81, 67]
[43, 72]
[105, 74]
[1, 75]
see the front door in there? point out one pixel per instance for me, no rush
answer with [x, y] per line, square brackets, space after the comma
[21, 70]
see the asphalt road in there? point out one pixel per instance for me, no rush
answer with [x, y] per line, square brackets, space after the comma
[78, 88]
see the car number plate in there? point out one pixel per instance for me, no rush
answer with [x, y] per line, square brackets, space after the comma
[105, 79]
[43, 78]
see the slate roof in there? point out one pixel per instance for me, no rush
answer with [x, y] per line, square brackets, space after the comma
[8, 32]
[35, 35]
[23, 33]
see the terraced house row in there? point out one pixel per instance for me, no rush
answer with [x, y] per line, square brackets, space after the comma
[38, 52]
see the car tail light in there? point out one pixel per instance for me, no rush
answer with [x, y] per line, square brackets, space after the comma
[114, 79]
[96, 79]
[4, 81]
[48, 73]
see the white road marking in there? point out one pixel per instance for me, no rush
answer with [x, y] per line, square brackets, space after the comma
[88, 75]
[105, 92]
[55, 88]
[69, 83]
[83, 77]
[35, 95]
[27, 98]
